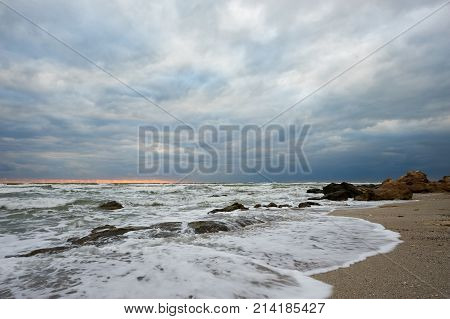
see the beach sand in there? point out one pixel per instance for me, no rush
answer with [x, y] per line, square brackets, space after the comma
[417, 268]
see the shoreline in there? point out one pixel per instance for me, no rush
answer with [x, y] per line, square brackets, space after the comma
[418, 267]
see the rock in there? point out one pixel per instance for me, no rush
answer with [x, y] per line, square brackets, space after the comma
[416, 181]
[340, 192]
[350, 189]
[103, 232]
[257, 206]
[103, 228]
[112, 205]
[244, 222]
[167, 226]
[314, 198]
[208, 226]
[338, 195]
[284, 205]
[443, 185]
[51, 250]
[307, 204]
[314, 191]
[445, 180]
[229, 208]
[388, 190]
[271, 205]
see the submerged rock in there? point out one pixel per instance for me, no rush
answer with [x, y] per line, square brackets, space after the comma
[229, 208]
[112, 205]
[208, 226]
[284, 205]
[307, 204]
[167, 226]
[104, 232]
[271, 205]
[257, 206]
[51, 250]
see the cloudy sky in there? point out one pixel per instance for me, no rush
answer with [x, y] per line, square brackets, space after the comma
[219, 63]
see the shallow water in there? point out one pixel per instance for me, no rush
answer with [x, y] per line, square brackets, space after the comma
[271, 259]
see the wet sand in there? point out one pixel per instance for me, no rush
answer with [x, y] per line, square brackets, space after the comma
[417, 268]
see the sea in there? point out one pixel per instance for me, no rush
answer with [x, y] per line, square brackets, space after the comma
[274, 257]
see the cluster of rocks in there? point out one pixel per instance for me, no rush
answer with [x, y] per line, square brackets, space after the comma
[402, 188]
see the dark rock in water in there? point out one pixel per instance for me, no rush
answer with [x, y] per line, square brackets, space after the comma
[257, 206]
[337, 196]
[167, 226]
[314, 198]
[271, 205]
[284, 205]
[208, 226]
[102, 228]
[351, 189]
[339, 192]
[307, 204]
[244, 222]
[216, 195]
[101, 233]
[112, 205]
[104, 232]
[314, 191]
[229, 208]
[51, 250]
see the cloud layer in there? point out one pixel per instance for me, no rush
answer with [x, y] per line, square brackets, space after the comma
[224, 62]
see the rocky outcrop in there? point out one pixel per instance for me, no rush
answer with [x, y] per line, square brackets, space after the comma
[340, 192]
[208, 226]
[416, 181]
[403, 188]
[229, 208]
[307, 204]
[388, 190]
[112, 205]
[443, 185]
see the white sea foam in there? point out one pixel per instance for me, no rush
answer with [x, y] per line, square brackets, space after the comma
[271, 259]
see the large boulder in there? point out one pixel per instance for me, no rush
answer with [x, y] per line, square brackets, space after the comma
[416, 181]
[338, 196]
[388, 190]
[340, 192]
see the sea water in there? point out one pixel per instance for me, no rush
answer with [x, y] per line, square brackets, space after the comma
[271, 259]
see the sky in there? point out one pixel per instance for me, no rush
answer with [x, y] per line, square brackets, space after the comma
[224, 63]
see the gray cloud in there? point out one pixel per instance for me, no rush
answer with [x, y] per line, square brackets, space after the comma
[224, 62]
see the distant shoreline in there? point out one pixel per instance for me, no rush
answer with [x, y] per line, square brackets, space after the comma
[417, 268]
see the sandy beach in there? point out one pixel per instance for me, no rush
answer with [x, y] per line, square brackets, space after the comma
[417, 268]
